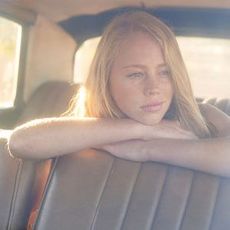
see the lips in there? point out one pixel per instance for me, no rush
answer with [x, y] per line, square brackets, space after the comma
[152, 107]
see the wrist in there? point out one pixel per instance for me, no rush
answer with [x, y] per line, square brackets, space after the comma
[140, 131]
[134, 129]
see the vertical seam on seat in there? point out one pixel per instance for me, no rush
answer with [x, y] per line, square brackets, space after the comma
[187, 202]
[15, 192]
[214, 206]
[130, 197]
[43, 199]
[161, 194]
[101, 195]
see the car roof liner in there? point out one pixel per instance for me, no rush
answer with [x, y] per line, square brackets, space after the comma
[201, 22]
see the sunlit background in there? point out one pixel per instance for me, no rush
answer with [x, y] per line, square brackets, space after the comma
[10, 42]
[207, 61]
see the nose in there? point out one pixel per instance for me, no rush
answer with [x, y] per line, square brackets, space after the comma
[151, 86]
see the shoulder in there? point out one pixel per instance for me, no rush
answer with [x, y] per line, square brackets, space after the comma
[217, 117]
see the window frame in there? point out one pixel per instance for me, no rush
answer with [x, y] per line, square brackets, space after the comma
[9, 115]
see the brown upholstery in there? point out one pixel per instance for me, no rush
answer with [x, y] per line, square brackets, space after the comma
[222, 104]
[19, 178]
[16, 178]
[94, 190]
[50, 99]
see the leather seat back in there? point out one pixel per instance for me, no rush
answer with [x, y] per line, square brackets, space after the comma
[19, 178]
[50, 99]
[94, 190]
[222, 104]
[16, 178]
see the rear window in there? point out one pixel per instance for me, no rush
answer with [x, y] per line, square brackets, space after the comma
[207, 61]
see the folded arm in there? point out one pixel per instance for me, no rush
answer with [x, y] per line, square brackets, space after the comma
[50, 137]
[210, 155]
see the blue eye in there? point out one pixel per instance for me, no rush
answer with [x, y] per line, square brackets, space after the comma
[164, 73]
[135, 75]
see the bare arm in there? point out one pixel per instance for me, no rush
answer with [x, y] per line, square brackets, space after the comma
[210, 155]
[46, 138]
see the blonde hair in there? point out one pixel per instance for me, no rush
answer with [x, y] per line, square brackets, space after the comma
[98, 101]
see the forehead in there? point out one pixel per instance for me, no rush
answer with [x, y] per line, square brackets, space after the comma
[138, 47]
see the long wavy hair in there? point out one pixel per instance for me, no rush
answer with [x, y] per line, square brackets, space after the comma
[94, 98]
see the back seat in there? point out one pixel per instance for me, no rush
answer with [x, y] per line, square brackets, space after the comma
[16, 180]
[222, 104]
[94, 190]
[21, 181]
[50, 99]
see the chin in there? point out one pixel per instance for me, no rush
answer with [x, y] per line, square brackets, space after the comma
[150, 122]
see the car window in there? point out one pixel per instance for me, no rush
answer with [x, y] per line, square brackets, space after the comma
[10, 42]
[83, 59]
[207, 61]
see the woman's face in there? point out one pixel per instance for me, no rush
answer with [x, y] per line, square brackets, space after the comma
[140, 80]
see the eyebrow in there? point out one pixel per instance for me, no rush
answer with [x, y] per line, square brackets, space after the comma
[143, 66]
[134, 65]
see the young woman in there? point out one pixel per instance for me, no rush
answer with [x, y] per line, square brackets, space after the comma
[137, 103]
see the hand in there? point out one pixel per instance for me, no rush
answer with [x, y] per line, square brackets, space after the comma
[136, 149]
[167, 129]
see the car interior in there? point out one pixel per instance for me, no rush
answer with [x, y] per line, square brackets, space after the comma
[92, 189]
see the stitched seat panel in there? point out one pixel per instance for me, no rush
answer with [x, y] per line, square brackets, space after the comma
[16, 179]
[115, 198]
[173, 199]
[82, 178]
[221, 217]
[201, 203]
[145, 197]
[94, 190]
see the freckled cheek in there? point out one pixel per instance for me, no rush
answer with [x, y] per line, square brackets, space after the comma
[124, 96]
